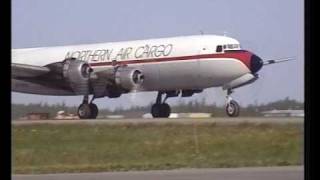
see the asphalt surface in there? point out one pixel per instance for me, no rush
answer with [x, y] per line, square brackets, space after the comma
[217, 121]
[257, 173]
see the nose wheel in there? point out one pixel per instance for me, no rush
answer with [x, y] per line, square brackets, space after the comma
[160, 109]
[232, 107]
[87, 110]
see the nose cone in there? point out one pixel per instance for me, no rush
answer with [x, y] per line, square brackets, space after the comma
[256, 64]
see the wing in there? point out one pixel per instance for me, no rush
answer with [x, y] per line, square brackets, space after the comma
[51, 80]
[23, 70]
[35, 80]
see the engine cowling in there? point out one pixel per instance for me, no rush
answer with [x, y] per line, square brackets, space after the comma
[189, 93]
[76, 73]
[129, 78]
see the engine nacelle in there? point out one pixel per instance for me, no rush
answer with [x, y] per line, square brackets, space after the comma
[128, 78]
[76, 73]
[240, 81]
[189, 93]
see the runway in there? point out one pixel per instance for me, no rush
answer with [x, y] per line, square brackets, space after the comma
[261, 173]
[216, 121]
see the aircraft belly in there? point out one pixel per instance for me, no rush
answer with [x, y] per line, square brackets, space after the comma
[197, 74]
[151, 74]
[178, 75]
[216, 72]
[170, 75]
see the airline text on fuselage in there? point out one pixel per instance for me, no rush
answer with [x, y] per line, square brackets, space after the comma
[141, 52]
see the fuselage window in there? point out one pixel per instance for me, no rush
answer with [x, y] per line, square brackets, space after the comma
[219, 48]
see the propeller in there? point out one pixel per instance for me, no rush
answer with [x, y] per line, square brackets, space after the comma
[273, 61]
[259, 85]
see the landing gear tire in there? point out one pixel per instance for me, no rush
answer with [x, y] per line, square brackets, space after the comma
[155, 110]
[233, 109]
[165, 110]
[160, 110]
[84, 111]
[88, 111]
[94, 111]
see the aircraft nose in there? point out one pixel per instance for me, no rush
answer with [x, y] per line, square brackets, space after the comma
[256, 63]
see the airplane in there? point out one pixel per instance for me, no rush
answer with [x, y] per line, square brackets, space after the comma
[174, 66]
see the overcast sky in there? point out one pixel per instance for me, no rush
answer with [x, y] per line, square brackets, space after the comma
[270, 28]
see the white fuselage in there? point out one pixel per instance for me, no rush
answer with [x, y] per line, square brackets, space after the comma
[186, 62]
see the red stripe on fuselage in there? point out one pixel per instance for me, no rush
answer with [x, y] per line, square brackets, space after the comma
[243, 56]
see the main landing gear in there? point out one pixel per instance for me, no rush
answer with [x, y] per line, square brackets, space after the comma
[232, 107]
[87, 110]
[160, 109]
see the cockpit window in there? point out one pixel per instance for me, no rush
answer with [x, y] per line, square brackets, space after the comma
[219, 48]
[231, 47]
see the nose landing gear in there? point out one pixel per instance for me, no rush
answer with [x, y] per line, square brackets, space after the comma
[232, 107]
[87, 110]
[160, 109]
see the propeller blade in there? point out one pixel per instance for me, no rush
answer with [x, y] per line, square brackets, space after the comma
[273, 61]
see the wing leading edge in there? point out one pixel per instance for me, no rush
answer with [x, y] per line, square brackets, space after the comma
[23, 70]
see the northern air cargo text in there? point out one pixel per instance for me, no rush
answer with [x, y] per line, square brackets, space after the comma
[100, 55]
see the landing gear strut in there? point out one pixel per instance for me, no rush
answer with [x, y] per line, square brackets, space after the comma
[160, 109]
[232, 107]
[88, 110]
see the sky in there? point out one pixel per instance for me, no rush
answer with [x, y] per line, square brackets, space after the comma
[270, 28]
